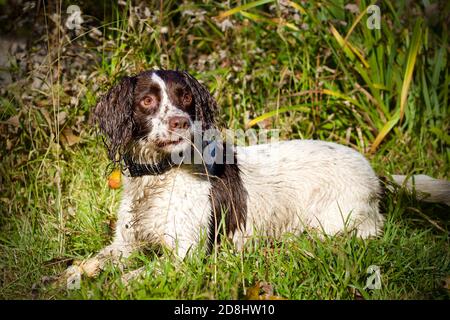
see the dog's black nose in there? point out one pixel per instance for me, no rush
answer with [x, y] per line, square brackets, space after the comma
[178, 123]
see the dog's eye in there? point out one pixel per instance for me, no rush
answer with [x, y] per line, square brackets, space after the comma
[148, 102]
[187, 99]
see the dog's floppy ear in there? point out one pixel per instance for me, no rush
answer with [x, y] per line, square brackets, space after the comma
[205, 105]
[114, 114]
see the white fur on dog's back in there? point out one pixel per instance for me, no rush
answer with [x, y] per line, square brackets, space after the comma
[293, 185]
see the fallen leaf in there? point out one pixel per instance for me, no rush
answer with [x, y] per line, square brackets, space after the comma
[67, 137]
[253, 292]
[61, 117]
[447, 283]
[14, 121]
[262, 291]
[356, 294]
[353, 8]
[111, 225]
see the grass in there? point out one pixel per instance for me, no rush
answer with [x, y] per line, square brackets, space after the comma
[311, 70]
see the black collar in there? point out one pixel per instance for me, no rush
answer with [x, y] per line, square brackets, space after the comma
[145, 169]
[216, 168]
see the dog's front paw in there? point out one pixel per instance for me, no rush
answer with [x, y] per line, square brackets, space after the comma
[70, 278]
[90, 267]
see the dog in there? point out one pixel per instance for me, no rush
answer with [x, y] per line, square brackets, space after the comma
[266, 189]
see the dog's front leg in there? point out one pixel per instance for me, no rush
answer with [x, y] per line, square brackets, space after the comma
[114, 253]
[183, 237]
[123, 244]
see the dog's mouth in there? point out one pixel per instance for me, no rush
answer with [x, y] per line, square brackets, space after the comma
[168, 143]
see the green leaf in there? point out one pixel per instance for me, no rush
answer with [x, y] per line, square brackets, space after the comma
[244, 7]
[412, 55]
[384, 131]
[301, 107]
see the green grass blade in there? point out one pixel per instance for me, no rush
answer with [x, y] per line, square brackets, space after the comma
[384, 131]
[349, 49]
[244, 7]
[411, 62]
[267, 115]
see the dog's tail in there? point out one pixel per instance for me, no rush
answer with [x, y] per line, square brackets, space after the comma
[426, 188]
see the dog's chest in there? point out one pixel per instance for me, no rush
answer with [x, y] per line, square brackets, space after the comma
[171, 207]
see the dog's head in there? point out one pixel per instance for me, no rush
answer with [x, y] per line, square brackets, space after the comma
[154, 110]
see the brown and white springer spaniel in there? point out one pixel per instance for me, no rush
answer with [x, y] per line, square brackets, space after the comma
[151, 120]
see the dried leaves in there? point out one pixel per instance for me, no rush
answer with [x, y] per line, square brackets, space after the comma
[68, 138]
[262, 291]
